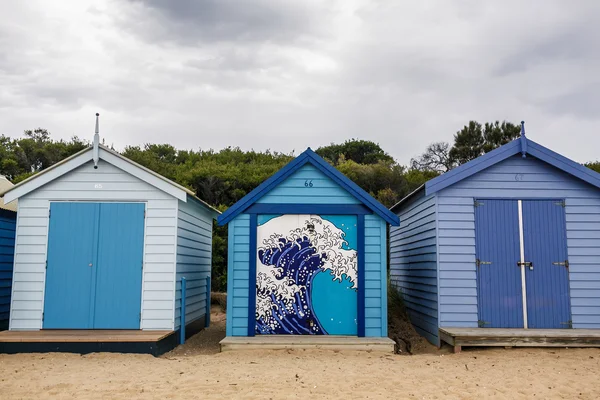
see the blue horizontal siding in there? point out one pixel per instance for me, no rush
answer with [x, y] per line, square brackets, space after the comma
[237, 276]
[194, 255]
[375, 276]
[7, 253]
[537, 179]
[413, 264]
[294, 190]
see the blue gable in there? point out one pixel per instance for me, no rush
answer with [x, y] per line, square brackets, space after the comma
[269, 189]
[523, 146]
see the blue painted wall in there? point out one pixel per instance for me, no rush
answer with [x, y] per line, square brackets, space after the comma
[413, 263]
[456, 299]
[7, 252]
[194, 257]
[294, 191]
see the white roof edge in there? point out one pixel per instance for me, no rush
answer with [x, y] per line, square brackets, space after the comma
[47, 175]
[118, 160]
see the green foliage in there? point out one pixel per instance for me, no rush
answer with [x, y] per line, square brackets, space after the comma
[21, 158]
[594, 166]
[359, 151]
[474, 140]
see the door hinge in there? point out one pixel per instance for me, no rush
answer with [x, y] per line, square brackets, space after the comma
[42, 316]
[46, 264]
[144, 214]
[142, 265]
[480, 263]
[49, 213]
[569, 324]
[561, 203]
[140, 317]
[482, 324]
[478, 203]
[563, 263]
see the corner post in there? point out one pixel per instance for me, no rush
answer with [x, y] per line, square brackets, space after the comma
[182, 316]
[208, 300]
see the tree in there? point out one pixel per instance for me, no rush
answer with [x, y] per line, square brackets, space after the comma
[436, 158]
[474, 140]
[594, 166]
[21, 158]
[497, 134]
[359, 151]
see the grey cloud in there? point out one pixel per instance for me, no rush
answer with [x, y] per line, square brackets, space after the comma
[191, 22]
[583, 102]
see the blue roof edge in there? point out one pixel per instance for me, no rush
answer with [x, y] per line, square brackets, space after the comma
[521, 145]
[309, 156]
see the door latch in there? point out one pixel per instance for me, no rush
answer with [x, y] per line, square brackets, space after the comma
[563, 264]
[525, 264]
[480, 263]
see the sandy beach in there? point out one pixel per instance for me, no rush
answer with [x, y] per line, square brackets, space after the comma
[199, 371]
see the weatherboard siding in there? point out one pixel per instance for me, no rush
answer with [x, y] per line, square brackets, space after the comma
[194, 255]
[517, 178]
[107, 183]
[7, 253]
[375, 276]
[238, 266]
[294, 189]
[413, 266]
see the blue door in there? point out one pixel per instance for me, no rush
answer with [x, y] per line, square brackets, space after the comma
[69, 269]
[94, 271]
[547, 280]
[307, 274]
[119, 274]
[500, 301]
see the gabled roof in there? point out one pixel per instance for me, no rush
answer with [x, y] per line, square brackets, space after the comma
[308, 157]
[112, 157]
[5, 185]
[523, 146]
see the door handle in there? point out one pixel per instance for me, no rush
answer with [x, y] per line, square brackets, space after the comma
[90, 264]
[525, 264]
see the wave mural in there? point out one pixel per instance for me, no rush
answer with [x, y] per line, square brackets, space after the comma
[306, 275]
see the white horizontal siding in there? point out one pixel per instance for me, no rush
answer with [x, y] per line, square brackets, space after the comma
[194, 255]
[536, 180]
[413, 267]
[82, 184]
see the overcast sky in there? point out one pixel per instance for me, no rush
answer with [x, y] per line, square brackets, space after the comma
[286, 75]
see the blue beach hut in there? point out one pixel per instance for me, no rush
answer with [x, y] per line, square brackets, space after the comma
[503, 250]
[307, 256]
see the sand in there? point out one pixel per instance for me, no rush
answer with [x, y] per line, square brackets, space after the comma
[198, 371]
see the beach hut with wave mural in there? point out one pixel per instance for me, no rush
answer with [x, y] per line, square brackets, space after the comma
[307, 262]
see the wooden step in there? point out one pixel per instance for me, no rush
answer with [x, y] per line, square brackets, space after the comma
[279, 342]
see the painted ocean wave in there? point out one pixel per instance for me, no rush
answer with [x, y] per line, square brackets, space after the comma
[287, 264]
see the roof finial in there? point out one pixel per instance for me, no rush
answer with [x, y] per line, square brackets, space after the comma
[523, 140]
[96, 149]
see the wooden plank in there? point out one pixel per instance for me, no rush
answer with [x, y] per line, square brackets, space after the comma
[84, 336]
[521, 337]
[276, 342]
[444, 336]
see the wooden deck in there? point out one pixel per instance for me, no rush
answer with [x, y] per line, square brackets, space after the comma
[87, 341]
[279, 342]
[459, 337]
